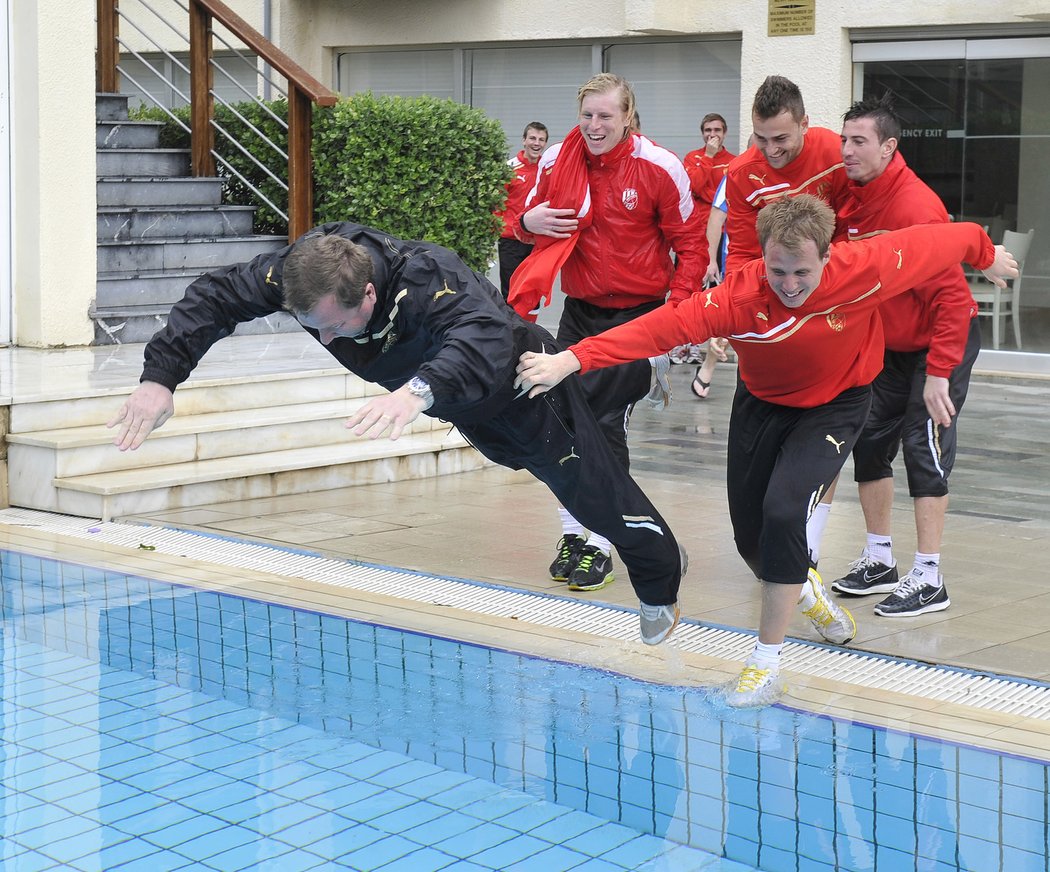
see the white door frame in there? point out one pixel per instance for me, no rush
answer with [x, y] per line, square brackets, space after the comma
[5, 173]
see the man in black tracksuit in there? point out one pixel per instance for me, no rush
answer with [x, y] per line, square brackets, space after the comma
[441, 338]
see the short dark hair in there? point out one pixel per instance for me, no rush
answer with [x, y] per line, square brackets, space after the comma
[790, 221]
[881, 111]
[713, 116]
[775, 95]
[535, 125]
[321, 265]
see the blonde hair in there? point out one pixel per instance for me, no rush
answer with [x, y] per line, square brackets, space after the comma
[603, 83]
[793, 220]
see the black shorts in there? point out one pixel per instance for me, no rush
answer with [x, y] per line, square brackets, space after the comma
[899, 418]
[612, 391]
[511, 253]
[781, 462]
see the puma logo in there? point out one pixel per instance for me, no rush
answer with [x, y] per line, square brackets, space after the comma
[708, 301]
[572, 455]
[443, 291]
[268, 279]
[900, 257]
[760, 179]
[762, 316]
[838, 445]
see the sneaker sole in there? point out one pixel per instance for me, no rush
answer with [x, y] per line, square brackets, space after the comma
[605, 582]
[878, 588]
[932, 607]
[559, 578]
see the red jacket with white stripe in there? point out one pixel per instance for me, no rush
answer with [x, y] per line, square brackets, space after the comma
[642, 209]
[752, 183]
[936, 313]
[806, 356]
[517, 190]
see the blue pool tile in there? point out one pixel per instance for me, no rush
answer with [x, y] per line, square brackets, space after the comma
[410, 816]
[511, 852]
[173, 834]
[600, 840]
[638, 850]
[1017, 860]
[27, 861]
[421, 860]
[553, 859]
[217, 842]
[1023, 802]
[502, 806]
[482, 837]
[41, 838]
[380, 853]
[343, 796]
[447, 826]
[367, 810]
[567, 826]
[114, 852]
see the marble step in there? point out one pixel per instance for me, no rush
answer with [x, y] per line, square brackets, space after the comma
[142, 162]
[74, 451]
[253, 389]
[158, 192]
[116, 224]
[183, 254]
[301, 470]
[121, 133]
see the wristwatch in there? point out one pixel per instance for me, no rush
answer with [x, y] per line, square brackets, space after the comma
[419, 388]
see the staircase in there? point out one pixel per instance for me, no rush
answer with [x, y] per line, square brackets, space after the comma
[159, 229]
[261, 416]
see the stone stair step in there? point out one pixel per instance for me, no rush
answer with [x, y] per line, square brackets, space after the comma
[111, 107]
[140, 325]
[264, 384]
[129, 291]
[142, 162]
[158, 192]
[121, 224]
[299, 470]
[89, 449]
[178, 254]
[122, 133]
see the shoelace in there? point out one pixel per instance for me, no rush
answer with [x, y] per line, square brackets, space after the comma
[908, 585]
[862, 563]
[585, 562]
[820, 613]
[751, 678]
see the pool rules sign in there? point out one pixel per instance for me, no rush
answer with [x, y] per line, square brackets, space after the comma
[792, 17]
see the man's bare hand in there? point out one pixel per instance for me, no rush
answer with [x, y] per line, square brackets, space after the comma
[148, 407]
[539, 372]
[939, 404]
[388, 414]
[1003, 267]
[542, 220]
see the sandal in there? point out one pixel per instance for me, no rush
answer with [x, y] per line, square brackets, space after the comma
[698, 386]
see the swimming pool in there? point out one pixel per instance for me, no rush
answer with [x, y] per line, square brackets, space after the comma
[148, 725]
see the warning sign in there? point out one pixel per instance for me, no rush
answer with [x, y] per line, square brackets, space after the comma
[792, 17]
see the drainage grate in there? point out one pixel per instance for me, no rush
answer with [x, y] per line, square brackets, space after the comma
[1009, 696]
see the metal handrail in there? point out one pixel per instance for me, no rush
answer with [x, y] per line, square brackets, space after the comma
[303, 92]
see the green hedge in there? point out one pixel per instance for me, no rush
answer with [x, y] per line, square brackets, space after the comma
[418, 168]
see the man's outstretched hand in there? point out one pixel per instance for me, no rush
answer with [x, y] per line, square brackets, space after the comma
[538, 372]
[148, 407]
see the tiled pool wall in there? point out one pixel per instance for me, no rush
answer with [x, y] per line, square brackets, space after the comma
[775, 788]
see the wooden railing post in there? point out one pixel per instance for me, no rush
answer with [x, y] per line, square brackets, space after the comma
[202, 103]
[300, 172]
[108, 51]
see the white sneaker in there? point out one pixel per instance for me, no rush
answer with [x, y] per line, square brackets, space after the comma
[656, 623]
[755, 687]
[831, 620]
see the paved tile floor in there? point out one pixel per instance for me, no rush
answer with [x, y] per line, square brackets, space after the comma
[500, 526]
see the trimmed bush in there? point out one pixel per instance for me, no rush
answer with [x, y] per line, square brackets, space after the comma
[418, 168]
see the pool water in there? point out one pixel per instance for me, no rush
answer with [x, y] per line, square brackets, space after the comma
[151, 726]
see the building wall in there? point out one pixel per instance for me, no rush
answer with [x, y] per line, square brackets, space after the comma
[52, 93]
[820, 64]
[53, 173]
